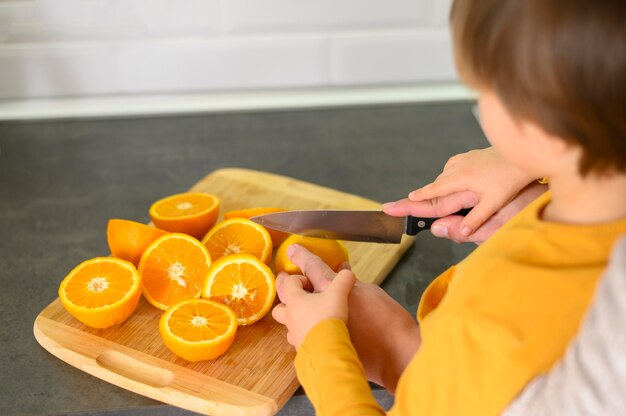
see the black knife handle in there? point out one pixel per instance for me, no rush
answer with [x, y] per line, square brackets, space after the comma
[416, 224]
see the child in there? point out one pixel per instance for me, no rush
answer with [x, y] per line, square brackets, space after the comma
[549, 74]
[591, 377]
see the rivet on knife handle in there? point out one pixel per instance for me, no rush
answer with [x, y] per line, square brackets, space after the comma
[416, 224]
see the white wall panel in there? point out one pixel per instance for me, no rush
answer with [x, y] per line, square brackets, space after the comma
[57, 70]
[306, 15]
[403, 56]
[49, 21]
[441, 13]
[233, 63]
[52, 48]
[178, 18]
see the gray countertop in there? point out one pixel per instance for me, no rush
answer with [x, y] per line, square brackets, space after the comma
[60, 182]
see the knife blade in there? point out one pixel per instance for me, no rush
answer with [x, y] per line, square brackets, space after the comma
[350, 225]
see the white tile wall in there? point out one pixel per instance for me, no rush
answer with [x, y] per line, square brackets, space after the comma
[57, 70]
[50, 21]
[440, 13]
[12, 13]
[262, 16]
[224, 63]
[176, 18]
[402, 56]
[52, 48]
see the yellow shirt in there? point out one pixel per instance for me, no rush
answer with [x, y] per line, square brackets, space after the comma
[489, 325]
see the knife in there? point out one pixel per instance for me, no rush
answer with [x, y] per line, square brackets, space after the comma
[369, 226]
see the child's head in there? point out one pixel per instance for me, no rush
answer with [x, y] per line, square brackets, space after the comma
[558, 63]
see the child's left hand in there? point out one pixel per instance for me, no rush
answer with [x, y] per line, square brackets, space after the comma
[301, 309]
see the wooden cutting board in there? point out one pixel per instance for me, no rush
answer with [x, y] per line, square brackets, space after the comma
[256, 375]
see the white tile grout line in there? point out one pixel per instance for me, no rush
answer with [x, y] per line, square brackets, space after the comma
[146, 105]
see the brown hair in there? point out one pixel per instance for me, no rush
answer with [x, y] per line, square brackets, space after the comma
[558, 63]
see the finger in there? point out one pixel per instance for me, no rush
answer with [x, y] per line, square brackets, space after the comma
[405, 207]
[280, 284]
[436, 207]
[450, 227]
[317, 272]
[444, 185]
[449, 204]
[293, 289]
[343, 283]
[279, 313]
[484, 232]
[478, 216]
[397, 208]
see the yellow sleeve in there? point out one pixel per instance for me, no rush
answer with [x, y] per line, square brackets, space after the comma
[332, 375]
[465, 366]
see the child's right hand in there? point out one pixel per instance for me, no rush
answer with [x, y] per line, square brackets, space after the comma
[481, 179]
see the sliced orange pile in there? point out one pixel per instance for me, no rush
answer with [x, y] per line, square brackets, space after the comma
[101, 292]
[173, 269]
[198, 329]
[192, 213]
[332, 252]
[206, 288]
[237, 236]
[244, 284]
[277, 236]
[129, 239]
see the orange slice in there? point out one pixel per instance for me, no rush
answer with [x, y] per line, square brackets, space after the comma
[129, 239]
[332, 252]
[173, 269]
[277, 236]
[239, 235]
[101, 292]
[192, 213]
[243, 283]
[198, 329]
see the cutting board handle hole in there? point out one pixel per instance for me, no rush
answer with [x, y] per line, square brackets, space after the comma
[134, 369]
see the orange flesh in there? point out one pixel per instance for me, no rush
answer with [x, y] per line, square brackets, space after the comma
[199, 322]
[242, 288]
[98, 285]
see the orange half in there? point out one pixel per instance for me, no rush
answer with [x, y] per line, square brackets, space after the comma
[277, 236]
[198, 329]
[192, 213]
[101, 292]
[243, 283]
[129, 239]
[239, 236]
[173, 269]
